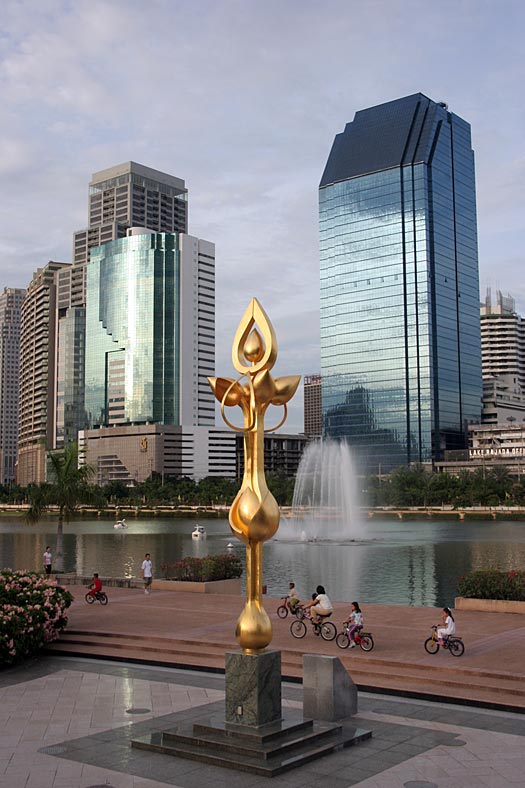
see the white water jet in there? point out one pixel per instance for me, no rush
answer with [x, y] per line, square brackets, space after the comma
[325, 501]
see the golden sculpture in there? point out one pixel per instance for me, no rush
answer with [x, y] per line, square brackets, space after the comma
[254, 514]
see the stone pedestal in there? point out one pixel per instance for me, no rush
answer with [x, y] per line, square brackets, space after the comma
[253, 688]
[328, 691]
[253, 738]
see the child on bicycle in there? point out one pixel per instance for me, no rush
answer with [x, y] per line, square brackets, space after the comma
[449, 625]
[355, 623]
[96, 585]
[293, 597]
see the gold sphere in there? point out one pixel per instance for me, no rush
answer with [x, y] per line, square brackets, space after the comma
[253, 349]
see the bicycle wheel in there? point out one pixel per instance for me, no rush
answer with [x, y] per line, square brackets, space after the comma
[342, 640]
[456, 647]
[328, 630]
[89, 599]
[298, 629]
[103, 598]
[299, 612]
[431, 646]
[367, 642]
[282, 611]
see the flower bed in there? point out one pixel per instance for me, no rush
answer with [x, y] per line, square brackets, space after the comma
[32, 613]
[202, 570]
[493, 584]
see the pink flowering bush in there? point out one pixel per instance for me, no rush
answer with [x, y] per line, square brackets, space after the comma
[32, 613]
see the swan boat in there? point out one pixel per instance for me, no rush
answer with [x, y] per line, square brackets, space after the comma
[199, 532]
[120, 524]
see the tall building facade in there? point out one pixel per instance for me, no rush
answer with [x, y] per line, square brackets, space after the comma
[10, 304]
[150, 327]
[400, 334]
[502, 359]
[38, 364]
[313, 408]
[126, 195]
[120, 197]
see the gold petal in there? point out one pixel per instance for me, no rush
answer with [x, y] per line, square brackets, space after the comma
[264, 386]
[254, 314]
[285, 388]
[220, 386]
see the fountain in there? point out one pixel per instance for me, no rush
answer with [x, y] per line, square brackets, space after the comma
[325, 501]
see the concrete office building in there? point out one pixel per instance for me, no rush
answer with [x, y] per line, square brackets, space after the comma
[38, 358]
[119, 197]
[10, 303]
[127, 195]
[502, 360]
[400, 333]
[132, 453]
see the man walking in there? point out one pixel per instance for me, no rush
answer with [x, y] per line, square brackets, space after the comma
[48, 559]
[147, 573]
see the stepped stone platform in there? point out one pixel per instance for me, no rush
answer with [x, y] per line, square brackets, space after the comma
[195, 630]
[272, 749]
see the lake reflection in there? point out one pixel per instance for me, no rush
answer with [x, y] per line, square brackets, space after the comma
[415, 563]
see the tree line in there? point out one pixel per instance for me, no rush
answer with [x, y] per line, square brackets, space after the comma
[415, 486]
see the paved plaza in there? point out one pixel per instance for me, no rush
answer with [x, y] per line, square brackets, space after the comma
[67, 723]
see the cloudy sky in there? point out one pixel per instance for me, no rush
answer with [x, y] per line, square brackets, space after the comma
[242, 99]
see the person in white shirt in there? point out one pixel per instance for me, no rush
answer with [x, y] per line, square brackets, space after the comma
[48, 560]
[320, 606]
[147, 573]
[449, 625]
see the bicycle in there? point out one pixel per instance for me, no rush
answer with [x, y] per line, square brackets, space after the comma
[362, 639]
[285, 607]
[323, 628]
[451, 642]
[99, 596]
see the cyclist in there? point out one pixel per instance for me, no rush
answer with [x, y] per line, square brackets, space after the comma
[319, 606]
[355, 621]
[447, 619]
[96, 585]
[293, 597]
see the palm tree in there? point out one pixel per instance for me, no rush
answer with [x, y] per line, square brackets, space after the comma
[67, 490]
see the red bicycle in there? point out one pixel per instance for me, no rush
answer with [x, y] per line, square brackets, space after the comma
[286, 607]
[362, 639]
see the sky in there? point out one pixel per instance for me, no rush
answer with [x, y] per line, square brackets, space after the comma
[242, 99]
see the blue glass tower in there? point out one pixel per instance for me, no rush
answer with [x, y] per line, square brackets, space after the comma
[400, 327]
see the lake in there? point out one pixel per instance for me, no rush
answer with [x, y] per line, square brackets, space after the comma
[398, 562]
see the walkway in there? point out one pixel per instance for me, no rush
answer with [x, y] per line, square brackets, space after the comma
[185, 629]
[67, 723]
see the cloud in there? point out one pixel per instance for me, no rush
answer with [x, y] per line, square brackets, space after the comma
[242, 99]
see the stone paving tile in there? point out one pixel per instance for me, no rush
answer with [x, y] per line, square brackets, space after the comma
[83, 707]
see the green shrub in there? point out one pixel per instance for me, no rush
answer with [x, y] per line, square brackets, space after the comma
[32, 613]
[493, 584]
[200, 570]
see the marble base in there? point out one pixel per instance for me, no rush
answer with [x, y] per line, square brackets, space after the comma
[253, 688]
[328, 691]
[268, 750]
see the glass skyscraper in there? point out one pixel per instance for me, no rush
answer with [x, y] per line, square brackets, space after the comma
[400, 328]
[150, 330]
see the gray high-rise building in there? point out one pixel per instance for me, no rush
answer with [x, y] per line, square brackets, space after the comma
[400, 328]
[502, 359]
[127, 195]
[10, 303]
[37, 424]
[120, 197]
